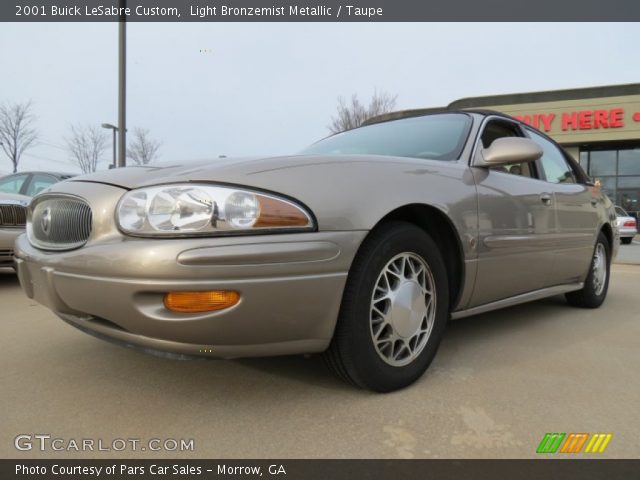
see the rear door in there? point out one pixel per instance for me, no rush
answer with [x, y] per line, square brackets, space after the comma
[516, 223]
[576, 212]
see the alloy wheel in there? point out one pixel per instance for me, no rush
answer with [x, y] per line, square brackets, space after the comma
[403, 309]
[599, 269]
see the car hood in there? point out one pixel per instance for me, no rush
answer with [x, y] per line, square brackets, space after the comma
[344, 192]
[14, 198]
[253, 171]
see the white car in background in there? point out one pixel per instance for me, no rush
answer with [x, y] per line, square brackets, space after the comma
[627, 225]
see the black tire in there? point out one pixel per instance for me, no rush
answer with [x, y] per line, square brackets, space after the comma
[626, 240]
[352, 354]
[589, 297]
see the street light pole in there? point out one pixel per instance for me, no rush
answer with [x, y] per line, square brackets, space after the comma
[122, 85]
[114, 129]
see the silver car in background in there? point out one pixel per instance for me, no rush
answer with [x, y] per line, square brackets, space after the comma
[362, 246]
[15, 194]
[13, 218]
[627, 225]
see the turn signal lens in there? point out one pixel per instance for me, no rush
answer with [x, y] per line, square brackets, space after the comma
[198, 302]
[276, 213]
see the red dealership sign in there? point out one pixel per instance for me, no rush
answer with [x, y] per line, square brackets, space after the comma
[578, 119]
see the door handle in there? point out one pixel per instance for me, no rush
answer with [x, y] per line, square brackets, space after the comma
[546, 198]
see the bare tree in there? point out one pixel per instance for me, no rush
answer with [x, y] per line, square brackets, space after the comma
[86, 144]
[353, 114]
[143, 149]
[17, 132]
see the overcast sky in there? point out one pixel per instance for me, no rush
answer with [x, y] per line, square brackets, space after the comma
[247, 89]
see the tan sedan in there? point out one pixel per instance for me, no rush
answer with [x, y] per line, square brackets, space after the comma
[362, 247]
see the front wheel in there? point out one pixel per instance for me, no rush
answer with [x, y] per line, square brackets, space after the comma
[596, 285]
[394, 310]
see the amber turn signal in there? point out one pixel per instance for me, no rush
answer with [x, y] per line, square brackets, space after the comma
[276, 213]
[198, 302]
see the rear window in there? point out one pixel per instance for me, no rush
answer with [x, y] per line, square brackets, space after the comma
[621, 213]
[438, 137]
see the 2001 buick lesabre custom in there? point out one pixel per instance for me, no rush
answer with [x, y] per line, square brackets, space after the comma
[364, 245]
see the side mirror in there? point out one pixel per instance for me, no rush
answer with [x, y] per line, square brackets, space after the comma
[508, 150]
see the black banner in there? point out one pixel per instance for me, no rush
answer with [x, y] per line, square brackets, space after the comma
[318, 10]
[584, 469]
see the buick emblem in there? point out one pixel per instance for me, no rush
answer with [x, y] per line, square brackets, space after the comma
[45, 221]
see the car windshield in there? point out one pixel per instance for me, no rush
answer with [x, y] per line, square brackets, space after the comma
[438, 137]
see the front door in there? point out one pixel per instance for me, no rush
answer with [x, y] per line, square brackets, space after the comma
[516, 223]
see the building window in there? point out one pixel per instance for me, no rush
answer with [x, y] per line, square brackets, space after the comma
[602, 163]
[618, 171]
[629, 162]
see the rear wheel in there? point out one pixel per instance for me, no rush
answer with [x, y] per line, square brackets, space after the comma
[394, 310]
[626, 240]
[596, 285]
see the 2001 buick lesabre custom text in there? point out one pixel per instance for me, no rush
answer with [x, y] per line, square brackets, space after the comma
[362, 246]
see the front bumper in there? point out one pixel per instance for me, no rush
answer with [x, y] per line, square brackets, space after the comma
[7, 239]
[290, 285]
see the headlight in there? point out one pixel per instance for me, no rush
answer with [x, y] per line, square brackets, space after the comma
[200, 209]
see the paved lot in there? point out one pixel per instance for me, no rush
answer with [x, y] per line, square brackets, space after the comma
[499, 382]
[630, 254]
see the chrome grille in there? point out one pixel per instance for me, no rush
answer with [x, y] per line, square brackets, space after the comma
[13, 216]
[59, 223]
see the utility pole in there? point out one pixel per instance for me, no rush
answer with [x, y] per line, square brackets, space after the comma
[122, 87]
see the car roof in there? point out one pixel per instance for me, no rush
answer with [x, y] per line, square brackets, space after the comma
[422, 112]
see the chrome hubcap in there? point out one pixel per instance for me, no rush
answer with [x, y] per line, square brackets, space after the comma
[599, 268]
[402, 309]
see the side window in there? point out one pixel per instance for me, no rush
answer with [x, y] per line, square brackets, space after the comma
[556, 169]
[38, 183]
[499, 129]
[12, 183]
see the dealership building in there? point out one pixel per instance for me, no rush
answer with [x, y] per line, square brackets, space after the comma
[599, 126]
